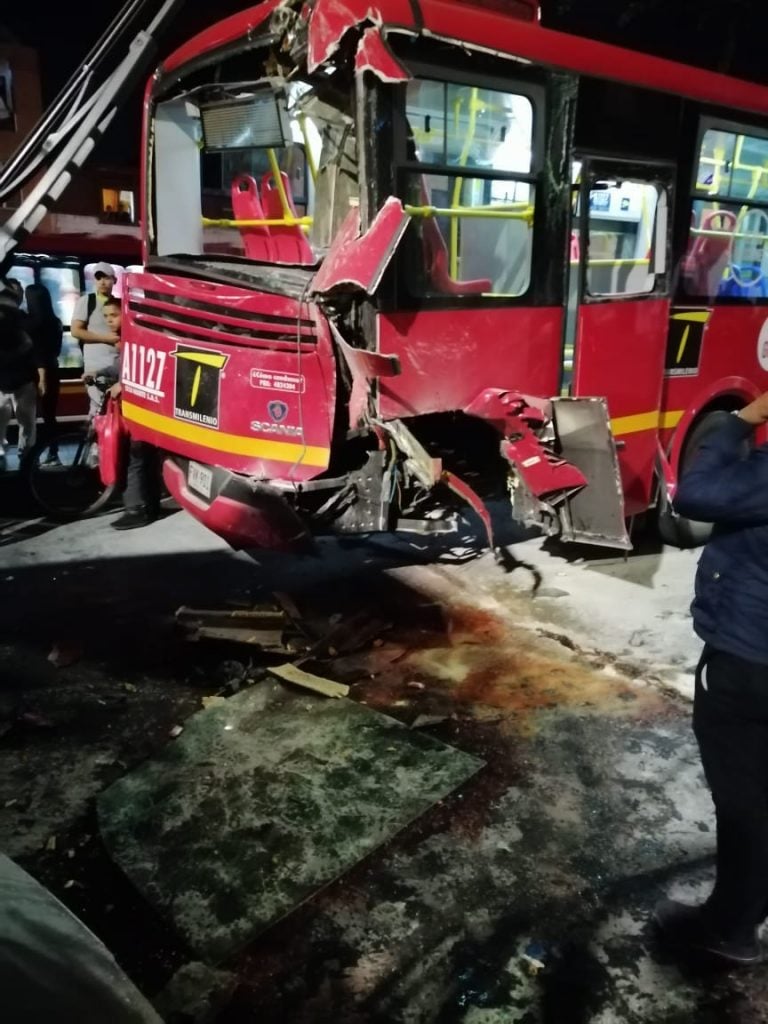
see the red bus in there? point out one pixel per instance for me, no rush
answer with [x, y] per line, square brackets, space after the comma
[62, 263]
[436, 256]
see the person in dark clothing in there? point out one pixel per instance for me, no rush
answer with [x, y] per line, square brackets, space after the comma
[45, 330]
[18, 374]
[142, 492]
[727, 484]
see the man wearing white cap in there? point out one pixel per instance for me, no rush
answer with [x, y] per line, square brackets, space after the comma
[100, 353]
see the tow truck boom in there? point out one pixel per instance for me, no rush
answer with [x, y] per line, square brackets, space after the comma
[70, 129]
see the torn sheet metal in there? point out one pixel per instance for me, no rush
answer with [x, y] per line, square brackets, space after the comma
[375, 56]
[365, 363]
[544, 473]
[419, 463]
[357, 262]
[509, 411]
[473, 499]
[330, 20]
[596, 514]
[364, 366]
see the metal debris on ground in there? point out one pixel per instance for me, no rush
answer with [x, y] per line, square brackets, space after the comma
[425, 721]
[347, 636]
[262, 627]
[212, 701]
[282, 630]
[297, 677]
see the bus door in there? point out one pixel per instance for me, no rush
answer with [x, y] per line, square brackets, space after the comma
[618, 310]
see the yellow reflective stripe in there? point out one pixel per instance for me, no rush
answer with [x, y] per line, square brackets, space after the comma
[670, 418]
[683, 343]
[699, 316]
[655, 420]
[206, 358]
[232, 444]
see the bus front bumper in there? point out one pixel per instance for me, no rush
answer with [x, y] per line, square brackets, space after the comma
[245, 513]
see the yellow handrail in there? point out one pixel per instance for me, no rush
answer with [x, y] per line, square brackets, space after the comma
[499, 212]
[275, 168]
[302, 119]
[604, 262]
[458, 184]
[223, 222]
[710, 233]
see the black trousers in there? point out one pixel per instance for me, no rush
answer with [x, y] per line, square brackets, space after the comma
[142, 478]
[730, 720]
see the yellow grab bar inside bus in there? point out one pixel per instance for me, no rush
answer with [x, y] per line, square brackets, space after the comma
[277, 177]
[224, 222]
[501, 212]
[458, 185]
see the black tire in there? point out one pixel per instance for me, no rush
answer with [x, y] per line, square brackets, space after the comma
[677, 530]
[72, 489]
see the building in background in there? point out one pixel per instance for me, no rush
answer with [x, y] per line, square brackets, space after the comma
[101, 202]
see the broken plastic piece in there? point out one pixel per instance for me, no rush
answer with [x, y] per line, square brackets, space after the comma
[296, 676]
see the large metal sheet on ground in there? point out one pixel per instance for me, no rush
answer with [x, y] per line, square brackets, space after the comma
[262, 801]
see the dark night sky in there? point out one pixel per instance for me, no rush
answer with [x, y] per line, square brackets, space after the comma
[726, 35]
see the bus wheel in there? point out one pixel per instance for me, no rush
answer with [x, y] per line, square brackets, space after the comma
[677, 530]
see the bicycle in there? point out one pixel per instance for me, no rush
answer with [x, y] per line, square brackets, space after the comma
[63, 471]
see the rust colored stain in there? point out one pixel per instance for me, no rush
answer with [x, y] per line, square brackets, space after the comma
[475, 624]
[476, 661]
[526, 681]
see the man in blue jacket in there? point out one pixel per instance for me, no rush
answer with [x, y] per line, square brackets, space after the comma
[727, 484]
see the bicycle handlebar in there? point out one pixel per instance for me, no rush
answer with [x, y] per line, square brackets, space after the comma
[100, 381]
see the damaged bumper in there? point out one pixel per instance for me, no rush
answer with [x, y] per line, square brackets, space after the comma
[244, 513]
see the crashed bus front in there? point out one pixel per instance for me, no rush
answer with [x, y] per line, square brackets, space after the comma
[350, 318]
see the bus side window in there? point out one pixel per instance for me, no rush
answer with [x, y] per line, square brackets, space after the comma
[727, 251]
[467, 178]
[708, 251]
[622, 238]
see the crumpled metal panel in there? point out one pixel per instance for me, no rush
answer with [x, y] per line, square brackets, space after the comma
[545, 475]
[374, 55]
[365, 366]
[330, 20]
[357, 262]
[596, 514]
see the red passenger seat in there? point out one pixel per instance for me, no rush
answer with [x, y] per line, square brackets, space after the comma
[707, 256]
[246, 205]
[289, 241]
[436, 257]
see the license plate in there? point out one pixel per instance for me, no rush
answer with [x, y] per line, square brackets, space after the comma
[200, 479]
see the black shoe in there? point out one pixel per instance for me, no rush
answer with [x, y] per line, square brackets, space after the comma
[690, 929]
[133, 518]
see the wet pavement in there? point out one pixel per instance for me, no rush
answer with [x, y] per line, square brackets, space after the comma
[523, 896]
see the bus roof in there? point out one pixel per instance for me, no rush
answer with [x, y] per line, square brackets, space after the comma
[512, 33]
